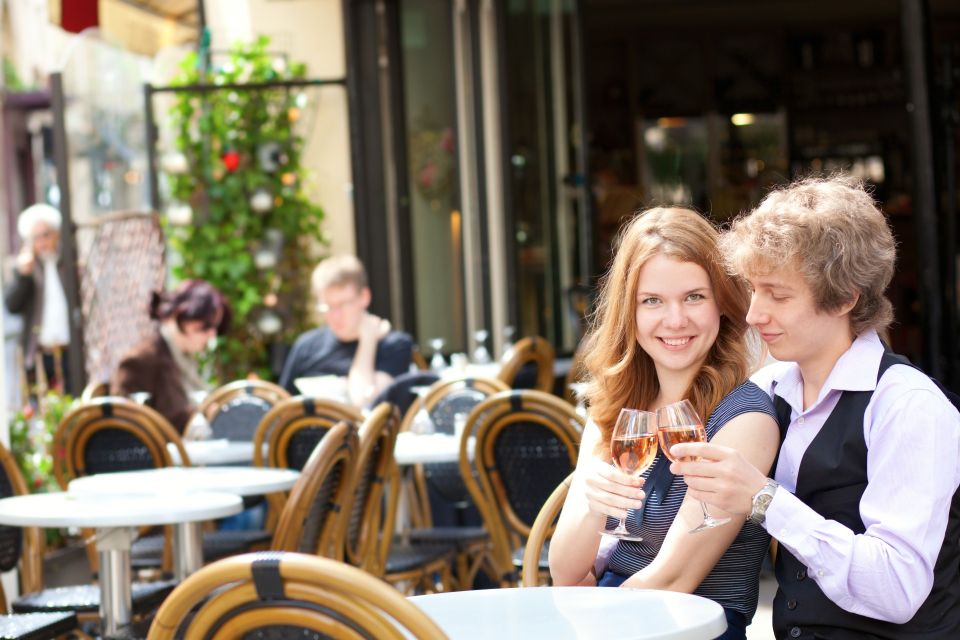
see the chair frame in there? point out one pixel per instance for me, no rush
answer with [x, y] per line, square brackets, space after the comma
[316, 593]
[530, 349]
[481, 476]
[368, 551]
[440, 389]
[220, 397]
[80, 424]
[541, 531]
[279, 426]
[338, 447]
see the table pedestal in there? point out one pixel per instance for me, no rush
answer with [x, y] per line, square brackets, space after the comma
[116, 593]
[187, 549]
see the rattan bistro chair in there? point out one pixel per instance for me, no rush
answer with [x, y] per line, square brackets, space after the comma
[370, 542]
[531, 351]
[536, 566]
[526, 444]
[234, 411]
[289, 433]
[314, 517]
[23, 547]
[440, 487]
[110, 434]
[288, 595]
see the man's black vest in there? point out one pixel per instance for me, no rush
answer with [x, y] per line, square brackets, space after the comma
[831, 480]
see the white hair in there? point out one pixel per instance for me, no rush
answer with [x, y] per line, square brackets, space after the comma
[30, 216]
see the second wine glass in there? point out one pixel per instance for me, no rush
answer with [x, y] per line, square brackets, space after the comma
[633, 446]
[678, 423]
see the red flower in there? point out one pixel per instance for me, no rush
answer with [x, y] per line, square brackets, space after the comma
[28, 411]
[231, 160]
[37, 483]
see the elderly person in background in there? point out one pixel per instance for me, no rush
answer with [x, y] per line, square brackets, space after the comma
[37, 293]
[163, 364]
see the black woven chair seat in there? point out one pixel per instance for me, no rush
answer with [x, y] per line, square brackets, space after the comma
[544, 557]
[459, 536]
[406, 557]
[238, 419]
[86, 598]
[36, 626]
[220, 544]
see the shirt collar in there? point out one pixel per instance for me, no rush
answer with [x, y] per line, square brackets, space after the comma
[852, 372]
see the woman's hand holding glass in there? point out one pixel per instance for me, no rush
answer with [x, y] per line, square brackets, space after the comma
[633, 448]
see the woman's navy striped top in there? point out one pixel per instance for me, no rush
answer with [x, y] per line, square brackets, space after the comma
[734, 581]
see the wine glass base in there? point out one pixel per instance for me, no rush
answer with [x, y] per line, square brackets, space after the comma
[710, 523]
[622, 536]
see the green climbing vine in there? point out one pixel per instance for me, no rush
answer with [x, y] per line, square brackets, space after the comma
[249, 227]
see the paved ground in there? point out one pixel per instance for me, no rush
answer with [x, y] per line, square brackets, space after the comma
[761, 627]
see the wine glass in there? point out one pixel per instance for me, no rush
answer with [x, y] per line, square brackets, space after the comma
[437, 363]
[480, 354]
[678, 423]
[508, 333]
[633, 445]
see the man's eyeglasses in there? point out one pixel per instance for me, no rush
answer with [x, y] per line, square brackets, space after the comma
[325, 308]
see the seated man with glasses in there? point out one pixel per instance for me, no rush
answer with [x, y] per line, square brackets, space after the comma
[355, 344]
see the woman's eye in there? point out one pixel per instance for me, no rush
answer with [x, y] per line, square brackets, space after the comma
[696, 297]
[649, 301]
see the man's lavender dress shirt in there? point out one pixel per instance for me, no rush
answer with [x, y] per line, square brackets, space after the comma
[913, 469]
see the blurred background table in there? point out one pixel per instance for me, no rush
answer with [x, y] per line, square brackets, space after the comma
[115, 516]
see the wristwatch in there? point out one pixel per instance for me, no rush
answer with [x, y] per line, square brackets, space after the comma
[762, 500]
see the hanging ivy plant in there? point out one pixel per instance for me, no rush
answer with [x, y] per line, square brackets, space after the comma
[243, 221]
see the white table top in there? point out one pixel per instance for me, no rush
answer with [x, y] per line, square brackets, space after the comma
[212, 452]
[471, 370]
[65, 509]
[421, 449]
[242, 481]
[585, 613]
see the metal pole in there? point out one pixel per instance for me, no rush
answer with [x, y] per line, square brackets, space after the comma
[68, 246]
[116, 593]
[187, 549]
[915, 26]
[151, 134]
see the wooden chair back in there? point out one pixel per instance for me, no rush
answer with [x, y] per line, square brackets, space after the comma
[94, 389]
[532, 349]
[282, 594]
[113, 434]
[292, 429]
[535, 551]
[526, 443]
[314, 517]
[363, 540]
[234, 411]
[443, 402]
[21, 546]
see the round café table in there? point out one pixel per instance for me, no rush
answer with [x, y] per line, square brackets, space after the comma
[585, 613]
[174, 481]
[115, 518]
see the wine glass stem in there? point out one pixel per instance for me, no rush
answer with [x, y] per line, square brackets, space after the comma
[706, 514]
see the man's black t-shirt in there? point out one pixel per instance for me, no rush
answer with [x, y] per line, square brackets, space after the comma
[318, 352]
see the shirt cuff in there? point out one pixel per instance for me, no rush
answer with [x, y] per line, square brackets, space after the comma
[795, 526]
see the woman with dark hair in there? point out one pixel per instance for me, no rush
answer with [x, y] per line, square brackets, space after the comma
[163, 364]
[669, 326]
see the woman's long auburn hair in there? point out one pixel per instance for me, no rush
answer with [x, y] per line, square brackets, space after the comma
[620, 373]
